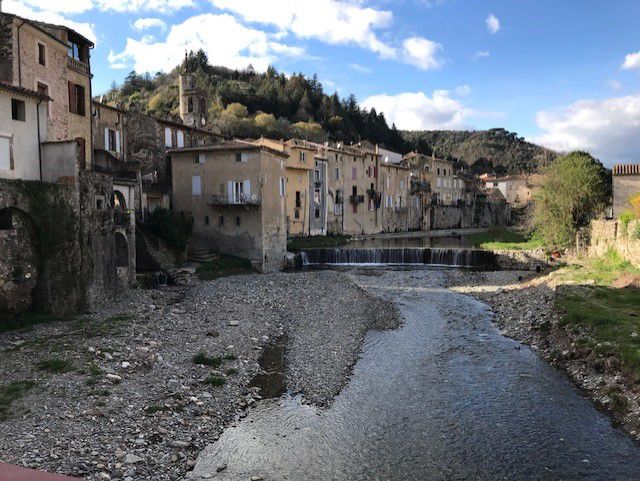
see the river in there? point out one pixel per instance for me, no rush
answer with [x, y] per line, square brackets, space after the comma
[444, 397]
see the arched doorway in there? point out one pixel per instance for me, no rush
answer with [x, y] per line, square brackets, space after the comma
[122, 250]
[118, 201]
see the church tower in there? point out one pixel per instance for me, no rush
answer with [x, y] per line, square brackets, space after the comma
[193, 104]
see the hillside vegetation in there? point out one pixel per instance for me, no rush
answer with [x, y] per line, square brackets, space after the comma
[495, 150]
[244, 103]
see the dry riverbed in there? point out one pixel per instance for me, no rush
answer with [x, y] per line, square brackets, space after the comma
[117, 394]
[524, 307]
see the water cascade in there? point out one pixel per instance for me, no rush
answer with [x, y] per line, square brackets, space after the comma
[434, 256]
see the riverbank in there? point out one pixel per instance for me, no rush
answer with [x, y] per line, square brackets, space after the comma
[526, 309]
[136, 389]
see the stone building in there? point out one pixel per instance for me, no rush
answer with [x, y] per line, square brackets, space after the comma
[318, 205]
[332, 155]
[396, 201]
[440, 173]
[517, 189]
[626, 183]
[234, 192]
[55, 62]
[193, 102]
[360, 167]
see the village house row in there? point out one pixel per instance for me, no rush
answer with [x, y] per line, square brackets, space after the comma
[244, 197]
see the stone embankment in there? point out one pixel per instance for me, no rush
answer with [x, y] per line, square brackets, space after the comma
[524, 309]
[118, 395]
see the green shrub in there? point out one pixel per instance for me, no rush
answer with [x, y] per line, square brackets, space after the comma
[625, 218]
[215, 381]
[174, 230]
[202, 358]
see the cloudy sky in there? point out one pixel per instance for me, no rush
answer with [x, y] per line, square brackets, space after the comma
[562, 73]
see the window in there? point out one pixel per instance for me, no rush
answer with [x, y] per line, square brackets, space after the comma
[389, 201]
[296, 214]
[337, 173]
[303, 157]
[337, 209]
[238, 221]
[298, 199]
[242, 157]
[317, 213]
[42, 56]
[76, 99]
[43, 89]
[75, 51]
[206, 220]
[200, 159]
[180, 135]
[354, 173]
[221, 220]
[196, 185]
[402, 185]
[6, 153]
[282, 186]
[316, 176]
[18, 110]
[111, 140]
[438, 170]
[190, 105]
[238, 157]
[168, 138]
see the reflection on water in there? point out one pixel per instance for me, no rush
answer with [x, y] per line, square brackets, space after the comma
[400, 242]
[445, 397]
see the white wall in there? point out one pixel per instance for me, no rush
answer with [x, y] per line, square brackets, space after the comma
[24, 137]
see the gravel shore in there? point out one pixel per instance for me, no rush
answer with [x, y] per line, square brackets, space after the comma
[116, 394]
[524, 309]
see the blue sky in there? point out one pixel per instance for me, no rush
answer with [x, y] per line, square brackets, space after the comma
[562, 73]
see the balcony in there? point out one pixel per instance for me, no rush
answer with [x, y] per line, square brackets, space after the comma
[356, 199]
[121, 218]
[77, 65]
[230, 200]
[420, 187]
[119, 171]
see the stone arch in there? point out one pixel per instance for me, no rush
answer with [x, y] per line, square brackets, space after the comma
[19, 263]
[122, 250]
[118, 201]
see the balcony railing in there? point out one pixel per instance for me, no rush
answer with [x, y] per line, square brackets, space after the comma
[121, 218]
[240, 199]
[77, 65]
[356, 199]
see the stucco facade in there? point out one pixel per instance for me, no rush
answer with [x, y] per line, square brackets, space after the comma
[446, 187]
[395, 185]
[20, 137]
[55, 61]
[235, 194]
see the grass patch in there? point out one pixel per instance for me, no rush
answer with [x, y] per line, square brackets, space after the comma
[601, 271]
[215, 381]
[10, 393]
[202, 358]
[154, 409]
[55, 365]
[504, 239]
[611, 315]
[231, 372]
[225, 266]
[296, 244]
[230, 357]
[27, 320]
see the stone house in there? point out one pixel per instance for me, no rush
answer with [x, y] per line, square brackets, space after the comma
[360, 166]
[440, 174]
[517, 189]
[234, 192]
[320, 188]
[55, 62]
[335, 179]
[626, 183]
[395, 189]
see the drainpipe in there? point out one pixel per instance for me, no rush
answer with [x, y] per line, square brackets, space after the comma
[39, 139]
[20, 56]
[90, 106]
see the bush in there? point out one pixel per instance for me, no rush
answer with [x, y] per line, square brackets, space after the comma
[625, 218]
[574, 188]
[172, 229]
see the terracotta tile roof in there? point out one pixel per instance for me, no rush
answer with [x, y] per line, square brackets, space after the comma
[228, 145]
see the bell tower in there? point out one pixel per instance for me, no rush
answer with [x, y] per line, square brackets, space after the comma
[193, 102]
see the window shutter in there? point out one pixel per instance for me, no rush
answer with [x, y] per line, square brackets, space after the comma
[230, 191]
[106, 139]
[72, 98]
[196, 185]
[246, 188]
[118, 141]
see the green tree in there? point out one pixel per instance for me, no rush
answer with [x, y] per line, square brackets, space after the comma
[574, 188]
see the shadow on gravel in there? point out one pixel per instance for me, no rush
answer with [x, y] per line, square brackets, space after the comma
[271, 380]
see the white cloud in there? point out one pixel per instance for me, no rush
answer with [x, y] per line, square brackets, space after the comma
[21, 9]
[462, 90]
[160, 6]
[360, 68]
[335, 22]
[493, 24]
[631, 61]
[147, 23]
[614, 85]
[59, 6]
[418, 111]
[608, 128]
[421, 53]
[482, 54]
[222, 37]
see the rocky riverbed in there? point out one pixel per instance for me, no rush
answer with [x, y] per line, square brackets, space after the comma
[524, 309]
[116, 393]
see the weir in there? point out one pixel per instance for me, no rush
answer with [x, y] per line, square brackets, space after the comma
[434, 256]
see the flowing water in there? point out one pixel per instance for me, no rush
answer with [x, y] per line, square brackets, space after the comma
[444, 397]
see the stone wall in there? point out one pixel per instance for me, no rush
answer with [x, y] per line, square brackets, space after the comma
[535, 260]
[6, 48]
[603, 235]
[478, 213]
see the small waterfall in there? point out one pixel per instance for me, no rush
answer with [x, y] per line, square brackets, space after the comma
[399, 256]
